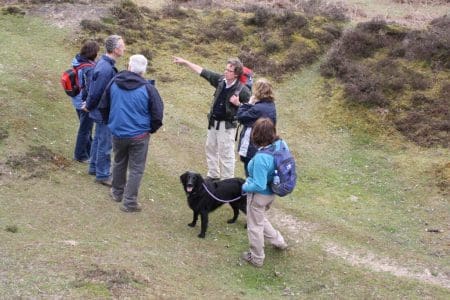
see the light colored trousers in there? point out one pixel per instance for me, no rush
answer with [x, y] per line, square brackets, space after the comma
[258, 227]
[219, 149]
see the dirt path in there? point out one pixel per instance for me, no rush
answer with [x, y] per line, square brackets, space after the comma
[303, 232]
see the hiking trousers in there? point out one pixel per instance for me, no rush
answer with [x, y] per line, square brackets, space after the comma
[258, 227]
[219, 149]
[129, 154]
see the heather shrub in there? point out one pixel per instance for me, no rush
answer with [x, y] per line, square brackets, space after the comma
[360, 44]
[13, 10]
[427, 126]
[224, 28]
[333, 29]
[363, 86]
[290, 19]
[260, 18]
[335, 63]
[93, 26]
[173, 10]
[299, 55]
[432, 45]
[330, 10]
[444, 93]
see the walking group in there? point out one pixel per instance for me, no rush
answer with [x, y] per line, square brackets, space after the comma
[126, 109]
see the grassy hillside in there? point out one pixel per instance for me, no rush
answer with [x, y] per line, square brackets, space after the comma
[357, 224]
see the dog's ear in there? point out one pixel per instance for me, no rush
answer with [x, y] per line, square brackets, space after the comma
[183, 178]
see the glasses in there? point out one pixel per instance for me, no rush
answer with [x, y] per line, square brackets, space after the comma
[229, 71]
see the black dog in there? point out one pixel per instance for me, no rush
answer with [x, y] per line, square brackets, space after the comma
[204, 196]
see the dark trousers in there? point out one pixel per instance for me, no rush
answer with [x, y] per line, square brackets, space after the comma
[82, 150]
[131, 155]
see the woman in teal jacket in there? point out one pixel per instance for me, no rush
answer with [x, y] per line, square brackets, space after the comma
[261, 170]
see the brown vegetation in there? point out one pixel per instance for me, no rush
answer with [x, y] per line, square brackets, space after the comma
[295, 39]
[401, 80]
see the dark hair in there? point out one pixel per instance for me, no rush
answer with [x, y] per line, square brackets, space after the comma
[90, 50]
[264, 132]
[237, 65]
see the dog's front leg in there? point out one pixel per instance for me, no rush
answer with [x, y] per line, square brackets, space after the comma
[194, 220]
[204, 216]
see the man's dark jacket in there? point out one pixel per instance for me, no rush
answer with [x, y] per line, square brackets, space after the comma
[217, 81]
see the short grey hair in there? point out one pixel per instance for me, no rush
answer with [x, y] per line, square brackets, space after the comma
[138, 64]
[112, 42]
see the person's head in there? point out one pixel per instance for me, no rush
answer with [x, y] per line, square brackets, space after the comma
[115, 46]
[264, 132]
[263, 90]
[233, 69]
[137, 64]
[90, 50]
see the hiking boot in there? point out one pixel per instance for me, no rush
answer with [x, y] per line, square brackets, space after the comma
[247, 256]
[83, 161]
[114, 197]
[106, 182]
[281, 247]
[129, 209]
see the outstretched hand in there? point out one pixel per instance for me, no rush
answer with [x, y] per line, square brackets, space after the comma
[179, 60]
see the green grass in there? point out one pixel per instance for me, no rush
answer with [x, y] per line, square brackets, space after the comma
[360, 188]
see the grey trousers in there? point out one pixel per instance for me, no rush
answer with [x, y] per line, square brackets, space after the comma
[131, 155]
[258, 227]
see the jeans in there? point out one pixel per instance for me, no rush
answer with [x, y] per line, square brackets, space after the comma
[100, 163]
[82, 150]
[129, 154]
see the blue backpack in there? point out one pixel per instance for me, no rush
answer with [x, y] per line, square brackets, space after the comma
[285, 175]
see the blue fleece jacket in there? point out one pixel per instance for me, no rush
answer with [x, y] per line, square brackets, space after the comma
[103, 73]
[84, 76]
[261, 170]
[131, 105]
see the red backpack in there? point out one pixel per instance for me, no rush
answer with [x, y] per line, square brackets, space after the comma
[70, 81]
[247, 77]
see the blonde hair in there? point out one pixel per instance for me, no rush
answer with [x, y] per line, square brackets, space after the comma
[263, 90]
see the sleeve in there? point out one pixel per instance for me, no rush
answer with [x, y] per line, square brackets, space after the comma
[156, 108]
[212, 77]
[97, 87]
[262, 167]
[247, 114]
[104, 104]
[87, 76]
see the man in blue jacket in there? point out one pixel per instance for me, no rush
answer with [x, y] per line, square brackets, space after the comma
[134, 110]
[100, 162]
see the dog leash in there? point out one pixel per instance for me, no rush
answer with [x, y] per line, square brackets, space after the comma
[220, 200]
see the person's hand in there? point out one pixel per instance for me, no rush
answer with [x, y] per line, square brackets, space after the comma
[252, 100]
[179, 60]
[235, 100]
[83, 107]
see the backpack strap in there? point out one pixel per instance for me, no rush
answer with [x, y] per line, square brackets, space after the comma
[238, 90]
